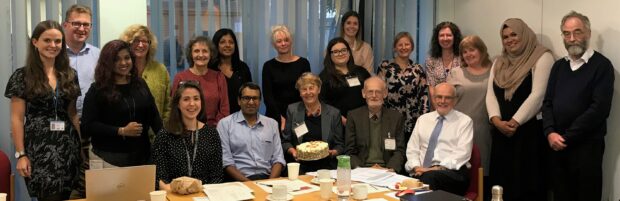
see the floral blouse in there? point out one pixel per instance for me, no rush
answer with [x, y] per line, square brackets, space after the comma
[437, 72]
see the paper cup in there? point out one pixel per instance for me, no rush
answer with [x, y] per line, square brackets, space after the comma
[278, 192]
[323, 174]
[293, 170]
[360, 192]
[326, 188]
[2, 196]
[158, 196]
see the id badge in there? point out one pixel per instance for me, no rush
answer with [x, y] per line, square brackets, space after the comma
[353, 81]
[57, 125]
[390, 144]
[301, 130]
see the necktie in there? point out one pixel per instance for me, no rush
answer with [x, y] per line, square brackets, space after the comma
[432, 142]
[374, 117]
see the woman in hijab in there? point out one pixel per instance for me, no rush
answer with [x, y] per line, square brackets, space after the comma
[518, 81]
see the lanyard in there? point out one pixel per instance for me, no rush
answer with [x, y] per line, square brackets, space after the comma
[190, 160]
[56, 100]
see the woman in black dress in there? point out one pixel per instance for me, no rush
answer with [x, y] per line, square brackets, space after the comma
[44, 92]
[228, 62]
[187, 147]
[119, 110]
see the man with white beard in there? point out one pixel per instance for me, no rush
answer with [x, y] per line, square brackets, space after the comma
[575, 111]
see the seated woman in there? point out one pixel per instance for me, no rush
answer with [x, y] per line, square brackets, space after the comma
[186, 146]
[200, 50]
[322, 123]
[119, 110]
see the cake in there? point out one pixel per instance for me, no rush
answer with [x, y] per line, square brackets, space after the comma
[314, 150]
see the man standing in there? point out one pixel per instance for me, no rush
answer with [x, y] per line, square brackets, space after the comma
[83, 58]
[251, 147]
[374, 134]
[575, 111]
[440, 146]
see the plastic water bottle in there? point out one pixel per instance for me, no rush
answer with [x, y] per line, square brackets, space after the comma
[343, 177]
[497, 192]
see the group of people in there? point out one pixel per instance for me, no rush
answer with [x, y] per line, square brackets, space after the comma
[526, 113]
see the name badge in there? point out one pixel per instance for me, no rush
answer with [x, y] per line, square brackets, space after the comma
[353, 81]
[390, 144]
[301, 130]
[57, 125]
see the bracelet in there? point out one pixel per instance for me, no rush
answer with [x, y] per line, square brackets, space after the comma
[23, 155]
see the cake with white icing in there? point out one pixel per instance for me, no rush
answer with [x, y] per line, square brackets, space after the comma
[314, 150]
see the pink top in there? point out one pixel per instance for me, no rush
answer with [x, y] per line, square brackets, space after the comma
[214, 90]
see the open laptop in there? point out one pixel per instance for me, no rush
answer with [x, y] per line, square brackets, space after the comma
[123, 183]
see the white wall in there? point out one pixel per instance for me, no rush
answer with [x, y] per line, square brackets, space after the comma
[116, 15]
[484, 18]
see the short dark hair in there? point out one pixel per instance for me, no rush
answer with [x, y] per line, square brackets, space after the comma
[249, 85]
[77, 8]
[456, 32]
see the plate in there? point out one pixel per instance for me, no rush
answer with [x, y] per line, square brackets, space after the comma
[288, 197]
[316, 181]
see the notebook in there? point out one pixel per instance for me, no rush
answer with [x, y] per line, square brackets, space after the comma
[123, 183]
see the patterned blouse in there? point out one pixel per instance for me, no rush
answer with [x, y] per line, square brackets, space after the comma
[406, 91]
[437, 72]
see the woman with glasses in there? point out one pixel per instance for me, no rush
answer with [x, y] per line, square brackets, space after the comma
[342, 79]
[119, 110]
[44, 120]
[350, 30]
[200, 50]
[406, 83]
[229, 63]
[143, 46]
[515, 92]
[321, 122]
[280, 74]
[187, 147]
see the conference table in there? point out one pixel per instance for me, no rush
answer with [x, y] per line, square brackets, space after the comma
[261, 195]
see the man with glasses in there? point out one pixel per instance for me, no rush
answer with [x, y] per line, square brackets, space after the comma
[575, 112]
[83, 58]
[251, 148]
[374, 134]
[440, 146]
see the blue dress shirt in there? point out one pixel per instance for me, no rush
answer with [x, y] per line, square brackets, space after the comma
[84, 62]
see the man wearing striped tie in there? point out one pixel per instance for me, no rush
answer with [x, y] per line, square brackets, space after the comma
[440, 146]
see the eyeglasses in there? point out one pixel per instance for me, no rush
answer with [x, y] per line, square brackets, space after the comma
[77, 25]
[576, 34]
[340, 52]
[194, 83]
[138, 41]
[249, 98]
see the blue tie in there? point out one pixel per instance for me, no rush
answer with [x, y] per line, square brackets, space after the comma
[432, 142]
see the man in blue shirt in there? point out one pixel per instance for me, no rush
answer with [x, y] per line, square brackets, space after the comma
[251, 147]
[83, 58]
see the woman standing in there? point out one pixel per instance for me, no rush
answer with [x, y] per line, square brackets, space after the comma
[471, 83]
[199, 53]
[187, 147]
[350, 27]
[44, 120]
[444, 55]
[515, 92]
[119, 110]
[342, 80]
[322, 121]
[406, 83]
[229, 63]
[143, 46]
[280, 75]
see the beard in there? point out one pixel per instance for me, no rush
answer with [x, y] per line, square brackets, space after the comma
[576, 49]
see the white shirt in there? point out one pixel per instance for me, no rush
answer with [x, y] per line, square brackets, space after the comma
[576, 64]
[454, 144]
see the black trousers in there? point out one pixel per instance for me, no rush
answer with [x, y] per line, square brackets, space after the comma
[577, 172]
[453, 181]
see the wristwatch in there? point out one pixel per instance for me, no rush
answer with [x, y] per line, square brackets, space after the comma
[19, 154]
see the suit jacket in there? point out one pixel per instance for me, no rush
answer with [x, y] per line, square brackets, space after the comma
[331, 126]
[358, 137]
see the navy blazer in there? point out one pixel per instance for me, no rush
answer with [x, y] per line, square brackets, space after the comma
[331, 126]
[358, 137]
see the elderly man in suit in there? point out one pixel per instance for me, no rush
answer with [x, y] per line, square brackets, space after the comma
[374, 134]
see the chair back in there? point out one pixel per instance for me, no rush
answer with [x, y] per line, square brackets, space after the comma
[474, 192]
[5, 175]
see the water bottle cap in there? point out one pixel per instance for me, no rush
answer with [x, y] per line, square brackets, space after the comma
[497, 190]
[344, 161]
